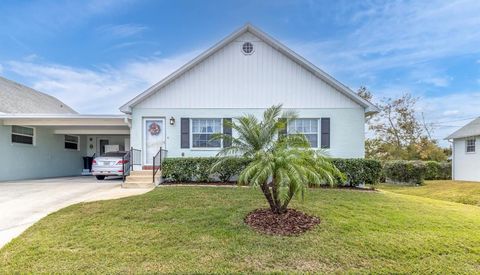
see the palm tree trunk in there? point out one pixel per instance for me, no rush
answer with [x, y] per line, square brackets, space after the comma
[276, 198]
[268, 196]
[283, 208]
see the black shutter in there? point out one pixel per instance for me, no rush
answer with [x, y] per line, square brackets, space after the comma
[283, 131]
[185, 132]
[325, 132]
[227, 130]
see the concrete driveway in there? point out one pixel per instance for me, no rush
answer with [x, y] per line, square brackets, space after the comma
[22, 203]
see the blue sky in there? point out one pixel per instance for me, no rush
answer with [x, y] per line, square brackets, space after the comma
[95, 55]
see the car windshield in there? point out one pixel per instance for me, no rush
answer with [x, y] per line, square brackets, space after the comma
[114, 154]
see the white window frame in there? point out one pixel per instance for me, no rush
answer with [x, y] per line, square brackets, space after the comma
[65, 141]
[34, 137]
[205, 148]
[474, 145]
[309, 133]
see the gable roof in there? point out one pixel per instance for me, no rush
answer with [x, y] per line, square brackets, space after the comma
[16, 98]
[469, 130]
[369, 107]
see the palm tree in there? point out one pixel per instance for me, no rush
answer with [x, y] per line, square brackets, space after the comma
[281, 165]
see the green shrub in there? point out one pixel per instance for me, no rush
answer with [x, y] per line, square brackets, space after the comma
[403, 171]
[359, 171]
[199, 169]
[230, 168]
[178, 169]
[438, 170]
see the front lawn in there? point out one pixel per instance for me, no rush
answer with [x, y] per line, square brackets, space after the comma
[447, 190]
[201, 229]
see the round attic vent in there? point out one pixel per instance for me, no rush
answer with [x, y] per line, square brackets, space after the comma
[247, 48]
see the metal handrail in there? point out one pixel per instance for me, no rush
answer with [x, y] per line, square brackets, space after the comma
[136, 157]
[158, 158]
[126, 164]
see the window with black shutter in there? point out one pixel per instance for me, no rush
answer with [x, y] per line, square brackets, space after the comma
[325, 132]
[184, 132]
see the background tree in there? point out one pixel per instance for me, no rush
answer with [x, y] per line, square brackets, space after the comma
[281, 165]
[398, 133]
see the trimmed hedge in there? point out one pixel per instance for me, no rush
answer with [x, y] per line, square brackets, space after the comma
[357, 171]
[198, 169]
[403, 171]
[415, 171]
[438, 170]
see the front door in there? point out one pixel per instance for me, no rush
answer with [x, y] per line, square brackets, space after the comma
[102, 143]
[154, 137]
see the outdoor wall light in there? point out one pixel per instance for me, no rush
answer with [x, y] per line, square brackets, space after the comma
[172, 121]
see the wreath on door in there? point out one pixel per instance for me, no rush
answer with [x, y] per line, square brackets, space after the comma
[154, 129]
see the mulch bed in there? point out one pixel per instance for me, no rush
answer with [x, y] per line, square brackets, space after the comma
[293, 222]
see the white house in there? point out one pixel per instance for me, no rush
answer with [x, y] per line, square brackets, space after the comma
[245, 73]
[466, 152]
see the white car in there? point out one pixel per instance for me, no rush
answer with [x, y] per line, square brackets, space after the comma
[110, 164]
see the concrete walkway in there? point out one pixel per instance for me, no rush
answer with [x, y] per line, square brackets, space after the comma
[22, 203]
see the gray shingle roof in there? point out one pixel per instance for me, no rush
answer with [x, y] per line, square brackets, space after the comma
[469, 130]
[16, 98]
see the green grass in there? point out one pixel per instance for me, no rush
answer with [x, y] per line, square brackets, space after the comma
[201, 229]
[447, 190]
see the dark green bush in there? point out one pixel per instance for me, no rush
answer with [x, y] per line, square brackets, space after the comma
[187, 169]
[230, 168]
[438, 170]
[403, 171]
[358, 171]
[199, 169]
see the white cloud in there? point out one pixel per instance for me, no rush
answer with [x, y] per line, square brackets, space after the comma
[123, 30]
[400, 34]
[1, 68]
[437, 81]
[450, 112]
[101, 90]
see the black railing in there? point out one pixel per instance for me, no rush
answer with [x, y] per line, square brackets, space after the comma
[126, 165]
[157, 161]
[135, 157]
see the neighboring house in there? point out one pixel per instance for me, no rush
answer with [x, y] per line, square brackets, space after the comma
[245, 73]
[466, 152]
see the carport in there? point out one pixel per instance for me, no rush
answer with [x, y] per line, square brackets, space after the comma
[56, 144]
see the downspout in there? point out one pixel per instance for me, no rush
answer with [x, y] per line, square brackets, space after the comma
[453, 157]
[128, 120]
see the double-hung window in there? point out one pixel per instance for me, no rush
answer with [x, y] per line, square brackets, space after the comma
[470, 145]
[23, 135]
[203, 130]
[306, 126]
[72, 142]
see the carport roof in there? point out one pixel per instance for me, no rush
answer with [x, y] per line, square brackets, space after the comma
[72, 123]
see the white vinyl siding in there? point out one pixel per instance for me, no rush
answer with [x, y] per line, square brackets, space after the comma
[72, 142]
[231, 79]
[470, 145]
[203, 130]
[23, 135]
[465, 159]
[306, 126]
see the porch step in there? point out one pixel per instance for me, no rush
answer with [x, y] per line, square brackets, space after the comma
[141, 179]
[141, 173]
